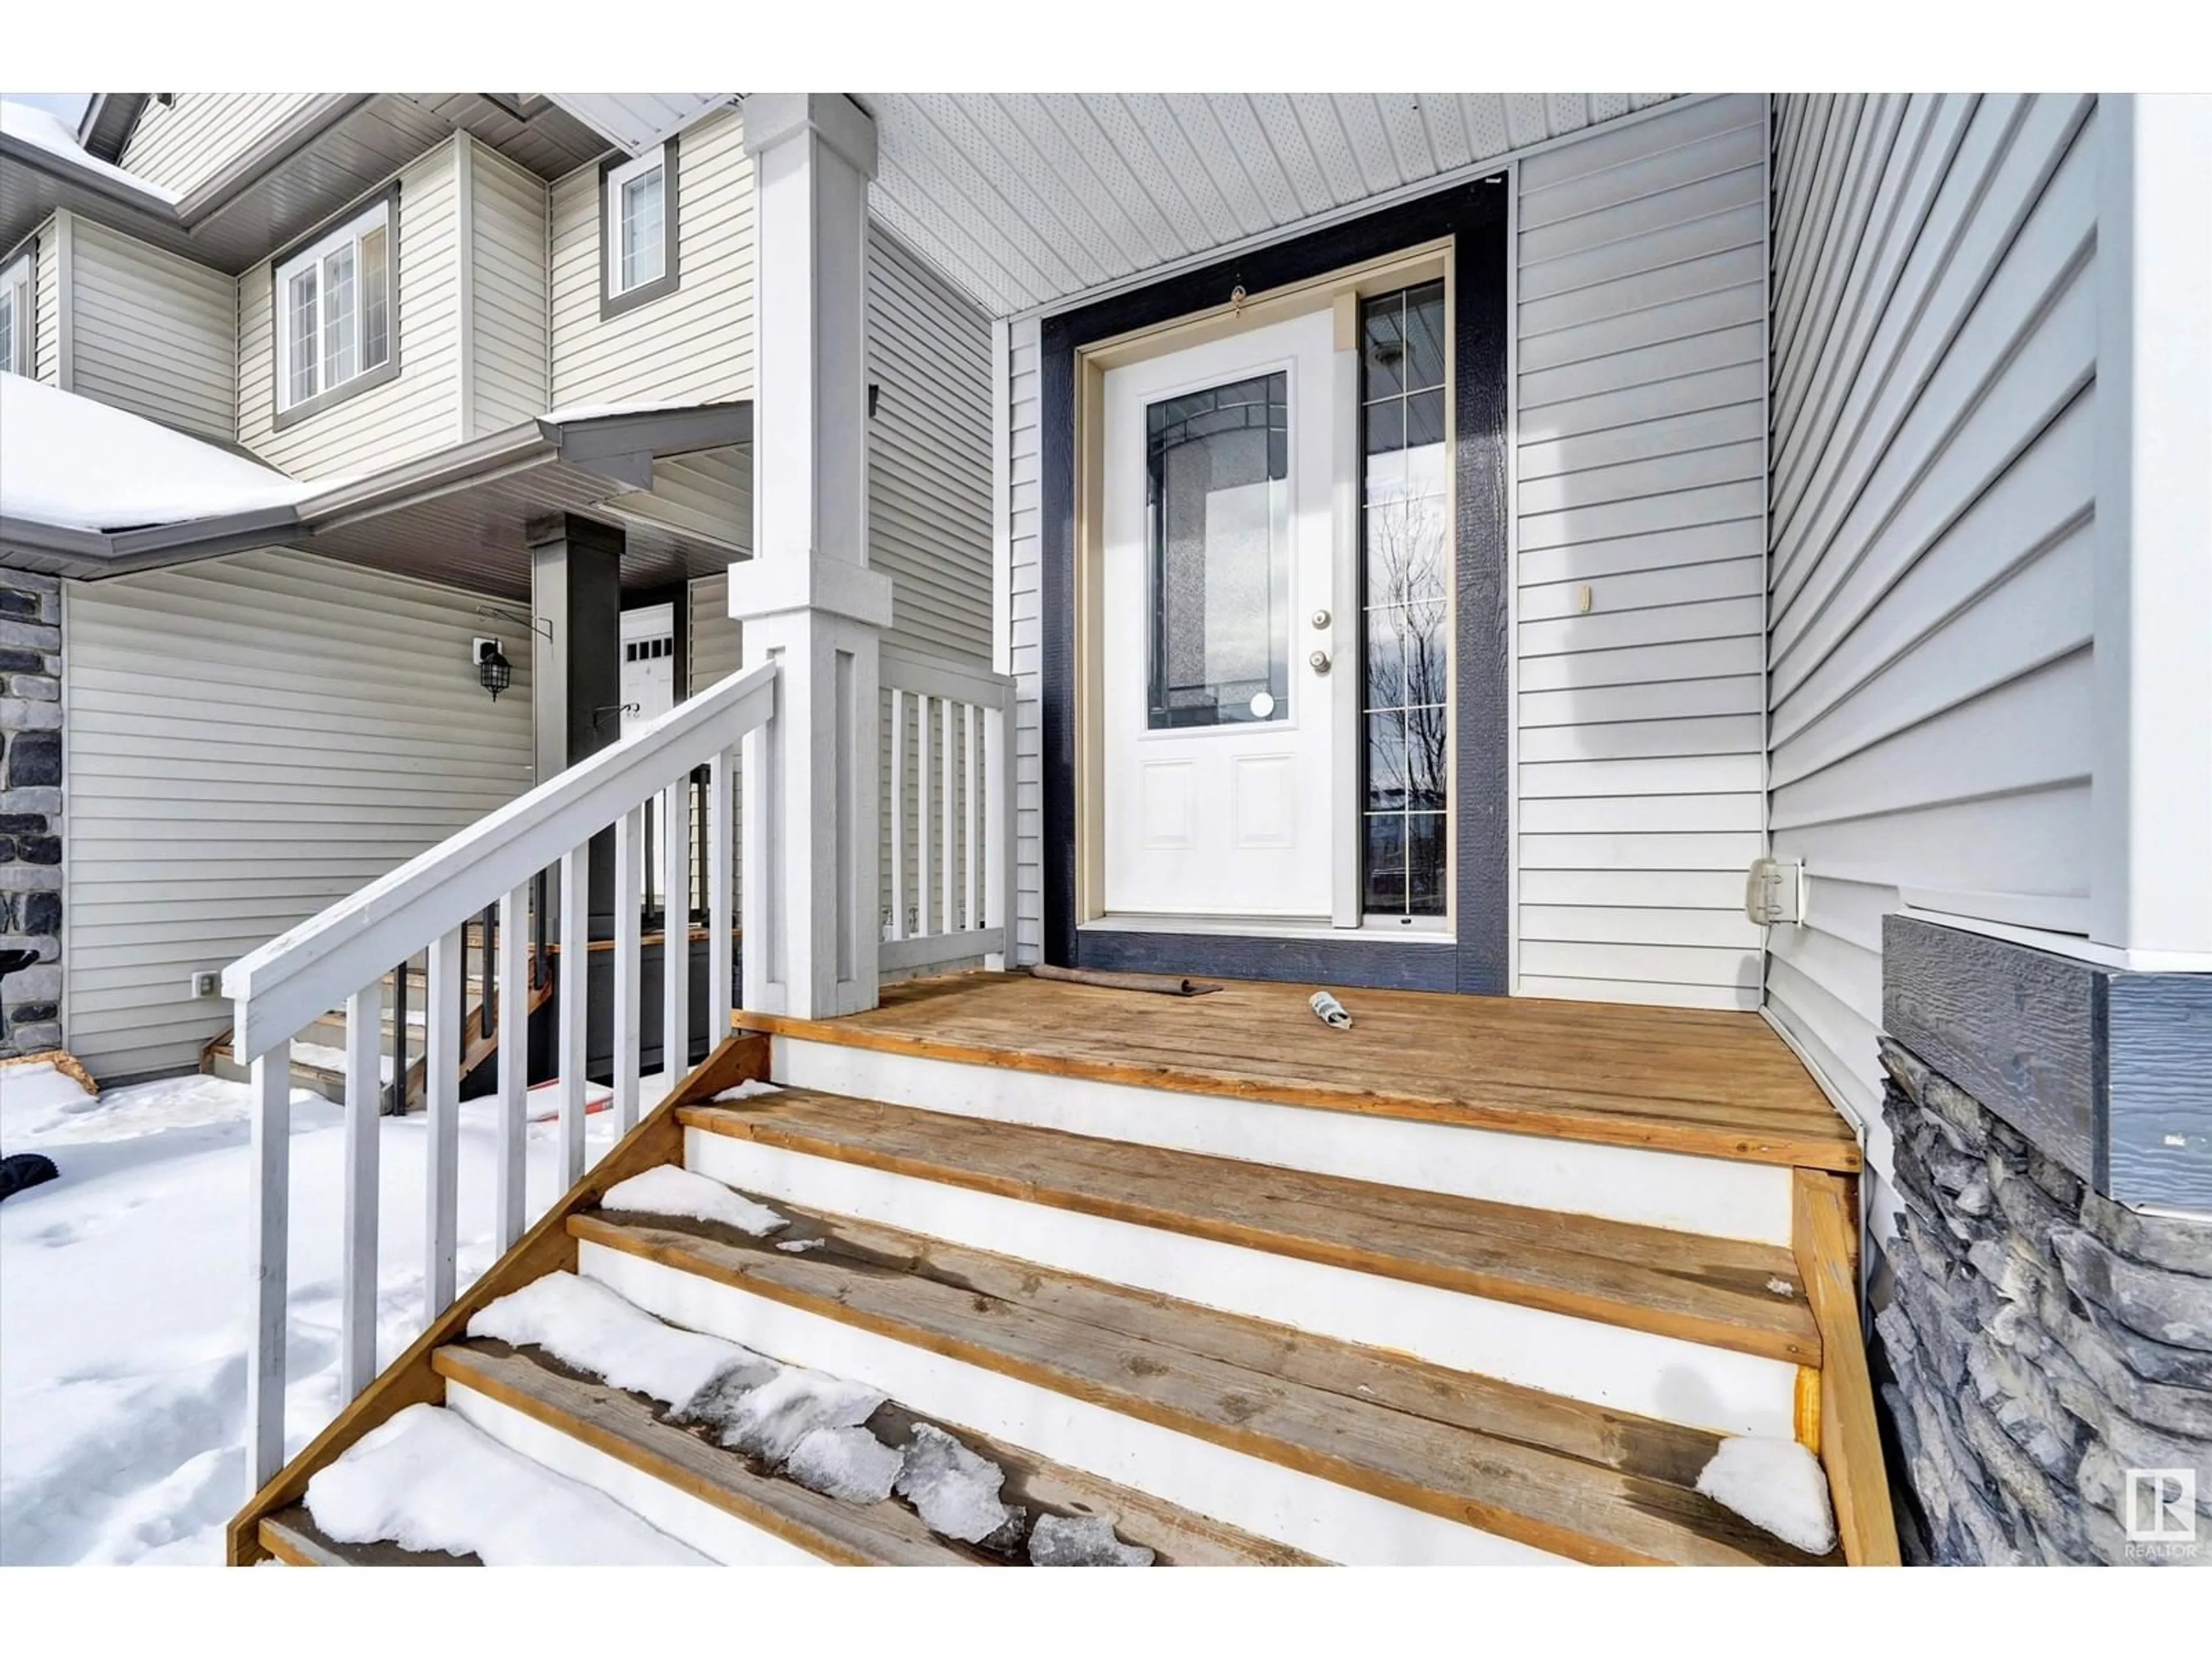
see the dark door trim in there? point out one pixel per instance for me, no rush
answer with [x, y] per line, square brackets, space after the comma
[1474, 216]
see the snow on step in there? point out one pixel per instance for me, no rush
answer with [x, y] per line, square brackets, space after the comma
[956, 1491]
[1775, 1485]
[582, 1323]
[671, 1189]
[426, 1480]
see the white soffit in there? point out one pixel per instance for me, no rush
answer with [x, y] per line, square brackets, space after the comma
[636, 121]
[1027, 198]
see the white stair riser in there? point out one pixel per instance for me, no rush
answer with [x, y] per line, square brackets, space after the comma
[1304, 1511]
[1628, 1371]
[713, 1532]
[1714, 1196]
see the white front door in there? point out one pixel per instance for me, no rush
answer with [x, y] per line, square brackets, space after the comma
[1225, 774]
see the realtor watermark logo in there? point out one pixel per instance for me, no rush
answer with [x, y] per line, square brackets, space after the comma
[2160, 1514]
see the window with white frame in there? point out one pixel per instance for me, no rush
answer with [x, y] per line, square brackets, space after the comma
[17, 336]
[638, 227]
[334, 310]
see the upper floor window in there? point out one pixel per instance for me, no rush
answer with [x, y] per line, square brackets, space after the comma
[335, 327]
[637, 230]
[17, 337]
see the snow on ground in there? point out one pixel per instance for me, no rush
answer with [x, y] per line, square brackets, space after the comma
[123, 1298]
[1775, 1485]
[426, 1480]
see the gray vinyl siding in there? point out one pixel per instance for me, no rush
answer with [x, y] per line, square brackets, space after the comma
[418, 411]
[184, 144]
[509, 338]
[929, 452]
[152, 333]
[46, 303]
[250, 739]
[1017, 502]
[1933, 503]
[695, 345]
[1639, 459]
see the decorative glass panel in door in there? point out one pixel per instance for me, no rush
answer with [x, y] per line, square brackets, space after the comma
[1218, 500]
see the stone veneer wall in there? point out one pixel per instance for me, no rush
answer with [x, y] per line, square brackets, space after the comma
[2044, 1341]
[31, 808]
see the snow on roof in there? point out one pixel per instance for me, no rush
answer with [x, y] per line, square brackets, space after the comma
[78, 465]
[35, 126]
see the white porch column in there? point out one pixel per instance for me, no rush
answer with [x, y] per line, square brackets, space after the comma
[2151, 799]
[807, 599]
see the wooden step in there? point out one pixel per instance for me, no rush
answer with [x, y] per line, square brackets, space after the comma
[1561, 1476]
[1724, 1293]
[632, 1428]
[292, 1537]
[1714, 1085]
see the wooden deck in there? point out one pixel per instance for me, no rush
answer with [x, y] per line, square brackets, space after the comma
[1685, 1080]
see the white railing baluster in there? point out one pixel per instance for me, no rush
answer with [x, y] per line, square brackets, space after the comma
[948, 915]
[269, 1243]
[575, 991]
[511, 1202]
[676, 939]
[721, 892]
[924, 822]
[364, 1102]
[971, 721]
[630, 865]
[999, 835]
[898, 813]
[441, 1100]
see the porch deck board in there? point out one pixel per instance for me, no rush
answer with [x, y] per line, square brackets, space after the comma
[1689, 1080]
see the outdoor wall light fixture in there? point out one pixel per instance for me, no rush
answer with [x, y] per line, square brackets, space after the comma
[493, 672]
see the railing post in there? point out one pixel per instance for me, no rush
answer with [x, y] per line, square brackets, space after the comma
[999, 831]
[807, 599]
[676, 937]
[721, 902]
[511, 1199]
[575, 1002]
[441, 1104]
[268, 1249]
[629, 863]
[364, 1106]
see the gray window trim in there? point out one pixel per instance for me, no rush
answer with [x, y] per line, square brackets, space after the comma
[385, 373]
[612, 304]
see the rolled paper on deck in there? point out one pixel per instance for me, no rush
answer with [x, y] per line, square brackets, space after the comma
[1330, 1010]
[1164, 985]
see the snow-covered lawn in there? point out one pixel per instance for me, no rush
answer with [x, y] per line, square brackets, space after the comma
[123, 1290]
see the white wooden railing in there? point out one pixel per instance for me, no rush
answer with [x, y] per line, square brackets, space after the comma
[343, 954]
[949, 811]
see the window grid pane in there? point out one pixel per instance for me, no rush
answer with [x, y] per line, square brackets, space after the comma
[1405, 574]
[375, 298]
[643, 239]
[300, 334]
[7, 327]
[339, 364]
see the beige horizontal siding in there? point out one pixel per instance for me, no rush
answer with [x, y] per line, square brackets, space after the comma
[1639, 476]
[251, 738]
[412, 415]
[693, 345]
[185, 144]
[509, 335]
[153, 333]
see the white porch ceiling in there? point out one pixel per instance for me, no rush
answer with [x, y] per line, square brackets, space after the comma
[1027, 198]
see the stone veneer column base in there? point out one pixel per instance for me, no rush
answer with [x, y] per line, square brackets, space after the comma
[2044, 1341]
[31, 808]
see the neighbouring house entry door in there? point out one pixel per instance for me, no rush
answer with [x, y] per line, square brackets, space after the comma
[648, 691]
[1229, 772]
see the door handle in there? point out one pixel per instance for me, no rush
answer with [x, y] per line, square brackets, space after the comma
[1320, 661]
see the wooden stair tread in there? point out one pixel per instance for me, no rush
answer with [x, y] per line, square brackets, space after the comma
[633, 1428]
[1704, 1289]
[1561, 1475]
[292, 1537]
[1703, 1083]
